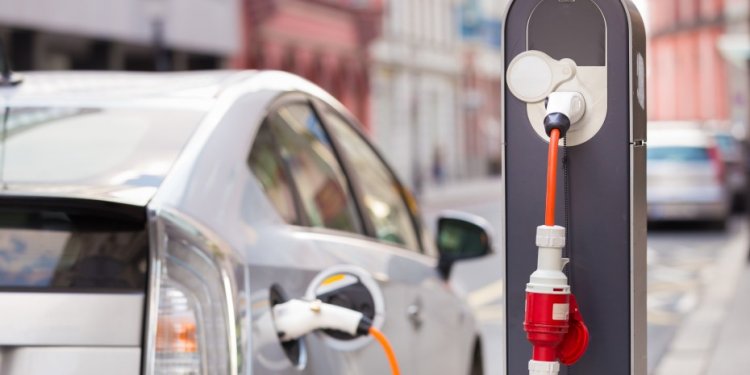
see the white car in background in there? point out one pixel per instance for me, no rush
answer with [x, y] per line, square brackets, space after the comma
[686, 176]
[150, 222]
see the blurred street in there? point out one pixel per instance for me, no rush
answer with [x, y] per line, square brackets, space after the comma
[687, 266]
[482, 280]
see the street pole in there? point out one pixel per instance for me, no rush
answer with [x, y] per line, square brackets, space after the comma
[416, 166]
[162, 61]
[156, 10]
[7, 77]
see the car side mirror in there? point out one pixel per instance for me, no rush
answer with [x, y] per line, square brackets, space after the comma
[461, 236]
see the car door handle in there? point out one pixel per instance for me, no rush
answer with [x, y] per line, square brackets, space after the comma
[414, 313]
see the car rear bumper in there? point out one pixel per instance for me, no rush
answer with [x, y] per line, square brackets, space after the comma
[46, 360]
[687, 211]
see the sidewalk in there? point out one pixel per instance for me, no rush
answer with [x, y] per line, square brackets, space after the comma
[732, 352]
[713, 340]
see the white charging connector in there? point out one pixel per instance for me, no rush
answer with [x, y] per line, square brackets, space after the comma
[296, 318]
[570, 104]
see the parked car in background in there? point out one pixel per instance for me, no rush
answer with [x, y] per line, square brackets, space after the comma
[732, 155]
[150, 222]
[686, 176]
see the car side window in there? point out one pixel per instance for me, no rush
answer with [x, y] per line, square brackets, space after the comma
[269, 170]
[319, 179]
[381, 194]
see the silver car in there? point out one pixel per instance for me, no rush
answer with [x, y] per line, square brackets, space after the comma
[150, 222]
[686, 178]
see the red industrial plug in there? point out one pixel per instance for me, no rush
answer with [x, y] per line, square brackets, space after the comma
[554, 324]
[546, 323]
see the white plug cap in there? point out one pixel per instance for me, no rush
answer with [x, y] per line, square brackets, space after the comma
[533, 75]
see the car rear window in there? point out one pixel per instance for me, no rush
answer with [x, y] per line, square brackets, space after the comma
[678, 154]
[50, 250]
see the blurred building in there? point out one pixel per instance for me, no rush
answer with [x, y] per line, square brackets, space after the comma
[416, 77]
[735, 47]
[435, 92]
[119, 34]
[324, 41]
[688, 78]
[481, 31]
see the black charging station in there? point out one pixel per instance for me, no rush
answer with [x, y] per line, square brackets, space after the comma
[603, 175]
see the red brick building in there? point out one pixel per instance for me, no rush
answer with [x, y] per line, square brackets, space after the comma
[324, 41]
[687, 75]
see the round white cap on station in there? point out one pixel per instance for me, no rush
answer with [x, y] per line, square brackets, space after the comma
[533, 75]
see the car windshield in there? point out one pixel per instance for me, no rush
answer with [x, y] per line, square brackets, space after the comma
[678, 154]
[94, 146]
[726, 143]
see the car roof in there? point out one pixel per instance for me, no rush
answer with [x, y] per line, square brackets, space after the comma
[207, 91]
[92, 86]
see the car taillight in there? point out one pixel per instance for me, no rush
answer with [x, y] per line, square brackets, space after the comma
[192, 334]
[715, 156]
[176, 332]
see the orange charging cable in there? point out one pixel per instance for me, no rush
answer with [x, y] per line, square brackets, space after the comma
[554, 139]
[374, 332]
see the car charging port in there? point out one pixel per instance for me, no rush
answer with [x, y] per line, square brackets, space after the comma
[352, 288]
[352, 295]
[296, 318]
[344, 305]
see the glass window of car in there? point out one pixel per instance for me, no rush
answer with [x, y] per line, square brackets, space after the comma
[317, 175]
[48, 250]
[269, 169]
[382, 195]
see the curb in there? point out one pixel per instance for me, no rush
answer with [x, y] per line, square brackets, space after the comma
[692, 348]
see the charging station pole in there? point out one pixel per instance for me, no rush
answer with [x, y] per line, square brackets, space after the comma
[603, 202]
